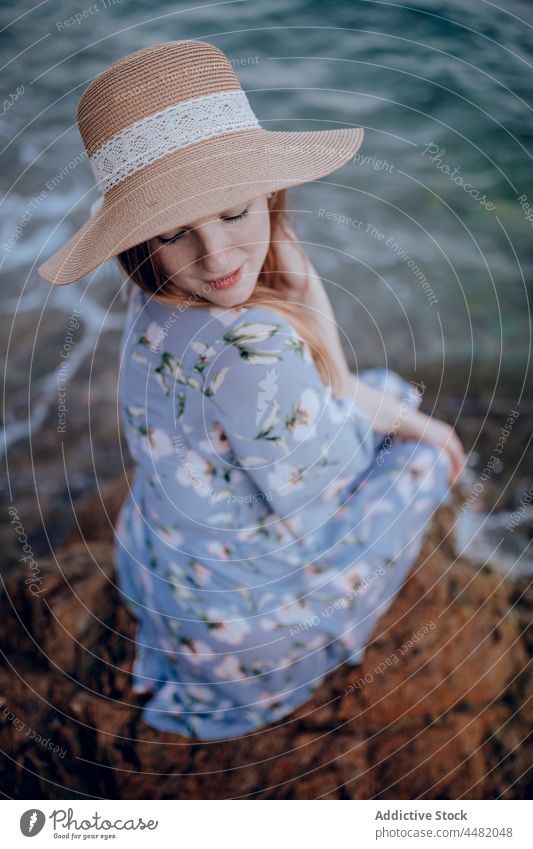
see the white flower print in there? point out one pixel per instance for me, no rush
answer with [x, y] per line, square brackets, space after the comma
[206, 352]
[311, 570]
[230, 669]
[266, 698]
[157, 443]
[268, 624]
[153, 337]
[282, 532]
[296, 343]
[304, 415]
[217, 441]
[168, 372]
[179, 590]
[350, 578]
[251, 534]
[219, 549]
[171, 535]
[135, 412]
[315, 641]
[138, 358]
[165, 695]
[177, 570]
[229, 631]
[216, 382]
[265, 598]
[202, 574]
[292, 610]
[284, 479]
[196, 472]
[244, 335]
[223, 706]
[224, 518]
[294, 559]
[348, 641]
[251, 461]
[253, 357]
[196, 651]
[293, 525]
[335, 487]
[416, 476]
[271, 420]
[202, 693]
[423, 466]
[250, 333]
[220, 495]
[174, 626]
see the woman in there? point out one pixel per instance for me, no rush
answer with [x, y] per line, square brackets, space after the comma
[279, 500]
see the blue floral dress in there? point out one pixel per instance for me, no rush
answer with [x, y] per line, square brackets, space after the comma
[268, 527]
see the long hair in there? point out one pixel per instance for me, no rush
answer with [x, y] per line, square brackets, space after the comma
[273, 289]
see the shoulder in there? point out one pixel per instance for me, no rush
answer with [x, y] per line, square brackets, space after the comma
[261, 345]
[257, 323]
[261, 335]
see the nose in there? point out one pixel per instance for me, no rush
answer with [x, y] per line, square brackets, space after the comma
[215, 249]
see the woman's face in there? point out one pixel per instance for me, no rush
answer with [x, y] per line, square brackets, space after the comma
[197, 256]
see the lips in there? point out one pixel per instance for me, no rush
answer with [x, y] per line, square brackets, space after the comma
[229, 280]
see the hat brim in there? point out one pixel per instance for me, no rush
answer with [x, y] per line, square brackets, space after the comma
[193, 182]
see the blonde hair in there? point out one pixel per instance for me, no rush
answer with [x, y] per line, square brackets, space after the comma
[272, 289]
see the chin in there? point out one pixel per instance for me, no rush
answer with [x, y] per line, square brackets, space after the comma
[236, 296]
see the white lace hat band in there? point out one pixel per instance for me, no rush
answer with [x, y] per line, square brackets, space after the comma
[177, 126]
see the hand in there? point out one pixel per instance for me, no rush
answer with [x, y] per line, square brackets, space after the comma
[437, 433]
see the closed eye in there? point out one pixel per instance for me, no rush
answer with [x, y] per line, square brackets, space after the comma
[182, 233]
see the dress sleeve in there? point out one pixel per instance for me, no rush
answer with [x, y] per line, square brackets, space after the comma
[300, 445]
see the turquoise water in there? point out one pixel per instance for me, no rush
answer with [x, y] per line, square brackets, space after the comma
[432, 275]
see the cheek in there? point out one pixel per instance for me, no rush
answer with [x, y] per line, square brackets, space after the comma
[171, 262]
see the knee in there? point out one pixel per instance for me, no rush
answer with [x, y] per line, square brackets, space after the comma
[422, 456]
[392, 383]
[437, 461]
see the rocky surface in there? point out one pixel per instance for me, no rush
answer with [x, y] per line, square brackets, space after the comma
[448, 719]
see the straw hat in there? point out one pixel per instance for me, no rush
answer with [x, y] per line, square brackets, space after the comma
[171, 137]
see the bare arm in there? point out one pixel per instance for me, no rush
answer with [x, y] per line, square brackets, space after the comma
[387, 412]
[382, 408]
[300, 271]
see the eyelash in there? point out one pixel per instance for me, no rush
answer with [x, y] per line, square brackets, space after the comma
[231, 219]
